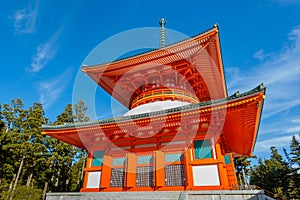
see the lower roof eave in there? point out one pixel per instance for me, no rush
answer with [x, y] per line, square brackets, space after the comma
[240, 127]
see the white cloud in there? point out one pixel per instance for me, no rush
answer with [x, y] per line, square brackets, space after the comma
[261, 55]
[295, 129]
[273, 108]
[271, 127]
[45, 52]
[51, 89]
[24, 19]
[296, 119]
[278, 142]
[280, 73]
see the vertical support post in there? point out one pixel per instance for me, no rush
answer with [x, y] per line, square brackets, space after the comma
[88, 165]
[131, 165]
[188, 167]
[159, 169]
[106, 172]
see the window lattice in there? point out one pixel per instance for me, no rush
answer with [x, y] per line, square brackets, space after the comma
[174, 175]
[117, 177]
[144, 176]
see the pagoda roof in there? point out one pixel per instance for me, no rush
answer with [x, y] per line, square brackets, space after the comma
[85, 67]
[239, 131]
[121, 77]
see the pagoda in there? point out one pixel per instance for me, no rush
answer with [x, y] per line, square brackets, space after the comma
[182, 129]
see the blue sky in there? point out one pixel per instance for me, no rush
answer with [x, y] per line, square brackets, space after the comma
[44, 43]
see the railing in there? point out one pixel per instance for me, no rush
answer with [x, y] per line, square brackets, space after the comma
[164, 94]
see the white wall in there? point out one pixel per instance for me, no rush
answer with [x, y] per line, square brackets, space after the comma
[93, 180]
[206, 175]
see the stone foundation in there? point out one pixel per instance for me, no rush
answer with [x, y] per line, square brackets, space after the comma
[159, 195]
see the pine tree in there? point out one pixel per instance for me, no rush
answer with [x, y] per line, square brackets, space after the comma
[2, 125]
[32, 164]
[66, 116]
[80, 116]
[295, 152]
[272, 174]
[14, 115]
[36, 149]
[64, 156]
[242, 165]
[295, 167]
[61, 154]
[80, 112]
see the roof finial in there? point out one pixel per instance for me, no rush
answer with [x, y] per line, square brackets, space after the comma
[162, 23]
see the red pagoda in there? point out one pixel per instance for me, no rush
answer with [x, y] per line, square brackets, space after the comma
[182, 129]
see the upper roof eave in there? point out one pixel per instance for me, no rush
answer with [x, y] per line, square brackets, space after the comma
[259, 89]
[86, 68]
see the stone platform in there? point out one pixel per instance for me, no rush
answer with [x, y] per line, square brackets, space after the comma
[168, 195]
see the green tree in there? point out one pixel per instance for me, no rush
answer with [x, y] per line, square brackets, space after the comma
[295, 152]
[32, 164]
[19, 152]
[272, 174]
[2, 125]
[295, 167]
[77, 176]
[242, 168]
[15, 146]
[61, 155]
[13, 115]
[36, 150]
[24, 193]
[64, 157]
[80, 112]
[66, 116]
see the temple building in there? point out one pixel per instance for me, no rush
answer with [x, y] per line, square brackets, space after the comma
[182, 129]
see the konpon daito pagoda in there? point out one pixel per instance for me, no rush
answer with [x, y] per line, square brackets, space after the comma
[182, 129]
